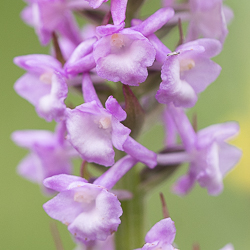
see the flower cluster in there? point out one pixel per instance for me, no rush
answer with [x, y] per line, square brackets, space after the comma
[124, 72]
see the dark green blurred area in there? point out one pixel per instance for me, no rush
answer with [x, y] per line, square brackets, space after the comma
[211, 221]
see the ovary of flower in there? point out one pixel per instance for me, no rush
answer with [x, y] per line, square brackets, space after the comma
[186, 64]
[83, 196]
[105, 122]
[117, 40]
[46, 77]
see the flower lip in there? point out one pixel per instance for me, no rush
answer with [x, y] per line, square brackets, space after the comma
[105, 123]
[117, 40]
[124, 57]
[82, 196]
[186, 64]
[46, 77]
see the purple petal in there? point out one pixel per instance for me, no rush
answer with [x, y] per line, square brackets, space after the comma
[211, 47]
[38, 64]
[229, 156]
[84, 64]
[155, 21]
[228, 247]
[68, 27]
[54, 15]
[78, 5]
[89, 93]
[163, 231]
[209, 175]
[115, 109]
[51, 14]
[52, 106]
[63, 207]
[120, 134]
[66, 46]
[50, 155]
[31, 88]
[60, 133]
[118, 10]
[62, 182]
[89, 129]
[228, 13]
[172, 88]
[43, 162]
[27, 15]
[124, 57]
[96, 3]
[185, 183]
[28, 138]
[170, 129]
[218, 133]
[168, 3]
[31, 168]
[116, 172]
[140, 153]
[200, 76]
[99, 222]
[54, 160]
[161, 49]
[109, 29]
[184, 127]
[156, 245]
[202, 24]
[108, 244]
[81, 50]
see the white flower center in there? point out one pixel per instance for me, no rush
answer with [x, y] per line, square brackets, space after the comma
[117, 40]
[186, 64]
[83, 196]
[104, 122]
[46, 77]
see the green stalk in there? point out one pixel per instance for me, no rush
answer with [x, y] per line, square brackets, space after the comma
[133, 7]
[130, 234]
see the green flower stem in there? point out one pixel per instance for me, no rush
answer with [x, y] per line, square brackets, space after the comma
[130, 234]
[133, 7]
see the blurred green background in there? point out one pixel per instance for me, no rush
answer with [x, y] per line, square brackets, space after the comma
[211, 221]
